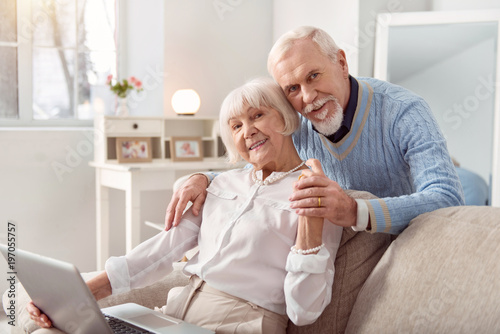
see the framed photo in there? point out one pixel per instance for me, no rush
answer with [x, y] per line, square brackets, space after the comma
[134, 149]
[186, 149]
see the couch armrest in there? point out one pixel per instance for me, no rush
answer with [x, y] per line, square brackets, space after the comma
[439, 276]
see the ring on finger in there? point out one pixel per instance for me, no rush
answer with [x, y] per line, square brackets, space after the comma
[319, 202]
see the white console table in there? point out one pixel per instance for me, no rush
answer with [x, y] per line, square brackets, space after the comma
[133, 178]
[159, 174]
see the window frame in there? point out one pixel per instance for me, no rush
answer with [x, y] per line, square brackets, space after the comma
[24, 46]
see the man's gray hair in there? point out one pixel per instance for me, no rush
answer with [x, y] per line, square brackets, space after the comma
[323, 40]
[258, 93]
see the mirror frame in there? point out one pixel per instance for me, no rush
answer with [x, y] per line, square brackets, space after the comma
[387, 20]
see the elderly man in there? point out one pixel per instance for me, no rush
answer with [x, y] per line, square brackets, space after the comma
[368, 134]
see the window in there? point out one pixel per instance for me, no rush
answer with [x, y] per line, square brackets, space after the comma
[55, 56]
[8, 60]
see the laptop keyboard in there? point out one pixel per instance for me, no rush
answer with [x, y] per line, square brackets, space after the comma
[120, 326]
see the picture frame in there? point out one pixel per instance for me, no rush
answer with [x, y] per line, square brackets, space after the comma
[133, 149]
[186, 149]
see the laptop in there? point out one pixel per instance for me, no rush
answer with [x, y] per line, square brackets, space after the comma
[58, 289]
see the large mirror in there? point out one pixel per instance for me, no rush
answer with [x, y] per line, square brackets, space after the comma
[451, 59]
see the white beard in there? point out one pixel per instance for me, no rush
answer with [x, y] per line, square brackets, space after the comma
[326, 126]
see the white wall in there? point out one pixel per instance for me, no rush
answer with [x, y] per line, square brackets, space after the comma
[213, 47]
[352, 24]
[338, 18]
[142, 53]
[241, 28]
[47, 189]
[368, 11]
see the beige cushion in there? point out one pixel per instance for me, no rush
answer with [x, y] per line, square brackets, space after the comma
[357, 256]
[441, 275]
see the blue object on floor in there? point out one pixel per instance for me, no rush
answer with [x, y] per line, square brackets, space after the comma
[476, 190]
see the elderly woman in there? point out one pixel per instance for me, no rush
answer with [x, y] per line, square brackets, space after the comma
[258, 262]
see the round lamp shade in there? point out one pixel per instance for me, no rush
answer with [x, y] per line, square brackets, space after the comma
[186, 102]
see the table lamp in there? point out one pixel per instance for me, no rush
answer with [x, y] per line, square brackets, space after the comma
[186, 102]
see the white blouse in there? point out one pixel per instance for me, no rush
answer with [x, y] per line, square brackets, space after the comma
[244, 249]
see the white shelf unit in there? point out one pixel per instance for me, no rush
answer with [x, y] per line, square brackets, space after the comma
[161, 130]
[190, 126]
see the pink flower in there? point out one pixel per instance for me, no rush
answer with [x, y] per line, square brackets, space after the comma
[122, 88]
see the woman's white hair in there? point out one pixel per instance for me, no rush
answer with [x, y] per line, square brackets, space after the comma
[323, 40]
[258, 93]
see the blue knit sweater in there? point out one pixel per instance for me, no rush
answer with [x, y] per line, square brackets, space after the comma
[395, 150]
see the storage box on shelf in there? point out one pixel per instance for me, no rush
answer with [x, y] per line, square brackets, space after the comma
[160, 130]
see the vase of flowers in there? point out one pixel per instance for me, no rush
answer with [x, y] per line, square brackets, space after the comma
[122, 108]
[121, 89]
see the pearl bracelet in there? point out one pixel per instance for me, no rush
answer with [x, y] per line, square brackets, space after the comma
[306, 251]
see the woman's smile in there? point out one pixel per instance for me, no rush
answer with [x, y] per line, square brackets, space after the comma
[258, 145]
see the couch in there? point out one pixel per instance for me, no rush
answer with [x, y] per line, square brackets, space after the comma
[441, 275]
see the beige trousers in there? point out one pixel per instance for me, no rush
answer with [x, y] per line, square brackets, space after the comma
[210, 308]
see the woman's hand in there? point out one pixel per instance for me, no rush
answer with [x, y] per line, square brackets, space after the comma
[315, 195]
[310, 228]
[194, 190]
[37, 316]
[99, 286]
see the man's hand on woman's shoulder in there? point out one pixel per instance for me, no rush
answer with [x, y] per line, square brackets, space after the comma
[193, 190]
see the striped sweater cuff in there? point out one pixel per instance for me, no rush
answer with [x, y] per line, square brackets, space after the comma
[380, 219]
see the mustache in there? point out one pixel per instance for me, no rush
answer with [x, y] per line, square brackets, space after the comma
[318, 104]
